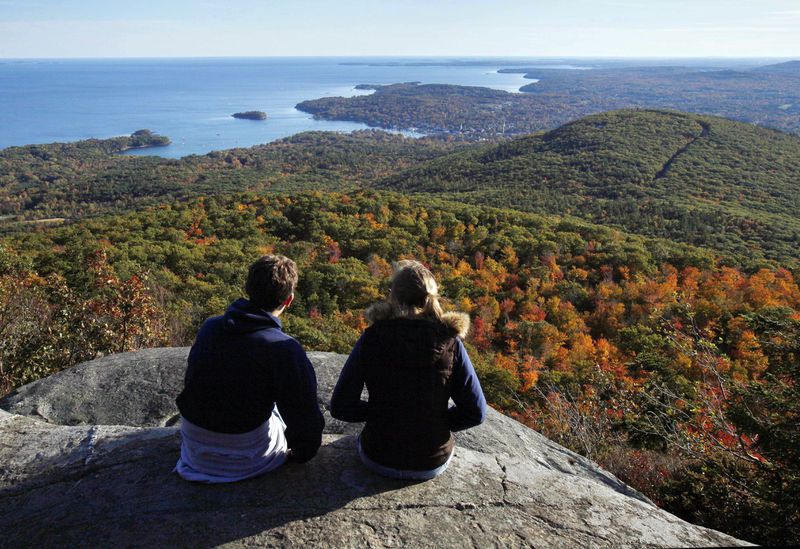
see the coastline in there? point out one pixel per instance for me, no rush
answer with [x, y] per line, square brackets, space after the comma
[140, 147]
[197, 117]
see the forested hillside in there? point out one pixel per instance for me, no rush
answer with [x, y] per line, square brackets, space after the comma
[707, 181]
[73, 180]
[677, 373]
[696, 179]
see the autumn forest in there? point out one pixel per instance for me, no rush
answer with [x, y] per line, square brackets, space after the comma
[632, 277]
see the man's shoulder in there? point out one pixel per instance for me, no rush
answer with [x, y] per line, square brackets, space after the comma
[209, 326]
[275, 335]
[212, 321]
[278, 341]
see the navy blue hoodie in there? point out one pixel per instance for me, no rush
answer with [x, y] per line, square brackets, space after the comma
[240, 366]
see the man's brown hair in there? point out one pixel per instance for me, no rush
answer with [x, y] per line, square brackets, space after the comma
[270, 281]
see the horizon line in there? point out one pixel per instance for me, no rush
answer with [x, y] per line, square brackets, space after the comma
[400, 56]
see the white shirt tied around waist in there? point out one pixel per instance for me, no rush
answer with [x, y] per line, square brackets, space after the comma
[208, 456]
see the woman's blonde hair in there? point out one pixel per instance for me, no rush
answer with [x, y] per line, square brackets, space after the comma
[414, 291]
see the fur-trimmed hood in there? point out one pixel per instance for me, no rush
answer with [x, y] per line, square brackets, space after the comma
[457, 323]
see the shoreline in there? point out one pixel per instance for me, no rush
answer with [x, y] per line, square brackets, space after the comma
[137, 148]
[198, 131]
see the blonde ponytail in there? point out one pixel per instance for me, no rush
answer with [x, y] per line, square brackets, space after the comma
[414, 291]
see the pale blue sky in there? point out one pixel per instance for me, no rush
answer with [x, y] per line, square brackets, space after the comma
[615, 28]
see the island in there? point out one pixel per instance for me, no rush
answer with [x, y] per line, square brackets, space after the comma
[250, 115]
[142, 139]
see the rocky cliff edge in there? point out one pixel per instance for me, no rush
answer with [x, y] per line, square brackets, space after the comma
[86, 459]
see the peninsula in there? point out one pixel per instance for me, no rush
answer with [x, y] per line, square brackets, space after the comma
[765, 96]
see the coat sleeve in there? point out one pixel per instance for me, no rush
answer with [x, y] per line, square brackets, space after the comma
[346, 403]
[466, 392]
[296, 398]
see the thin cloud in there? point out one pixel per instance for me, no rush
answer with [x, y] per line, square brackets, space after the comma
[771, 27]
[87, 23]
[629, 5]
[18, 4]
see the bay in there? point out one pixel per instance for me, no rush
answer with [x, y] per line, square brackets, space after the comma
[192, 100]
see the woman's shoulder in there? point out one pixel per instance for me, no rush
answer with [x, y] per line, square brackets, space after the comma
[380, 311]
[456, 323]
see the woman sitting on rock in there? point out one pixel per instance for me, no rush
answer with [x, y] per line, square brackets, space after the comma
[413, 362]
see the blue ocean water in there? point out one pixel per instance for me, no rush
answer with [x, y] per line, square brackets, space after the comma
[191, 100]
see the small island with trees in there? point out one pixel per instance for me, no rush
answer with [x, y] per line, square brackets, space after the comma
[250, 115]
[142, 139]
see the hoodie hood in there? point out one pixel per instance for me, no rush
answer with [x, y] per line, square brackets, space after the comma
[244, 317]
[457, 323]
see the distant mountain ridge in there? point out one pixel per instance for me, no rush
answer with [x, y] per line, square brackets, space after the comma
[788, 66]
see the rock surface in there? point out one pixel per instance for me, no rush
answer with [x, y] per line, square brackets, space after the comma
[86, 458]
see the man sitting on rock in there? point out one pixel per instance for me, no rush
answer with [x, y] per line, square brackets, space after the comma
[242, 370]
